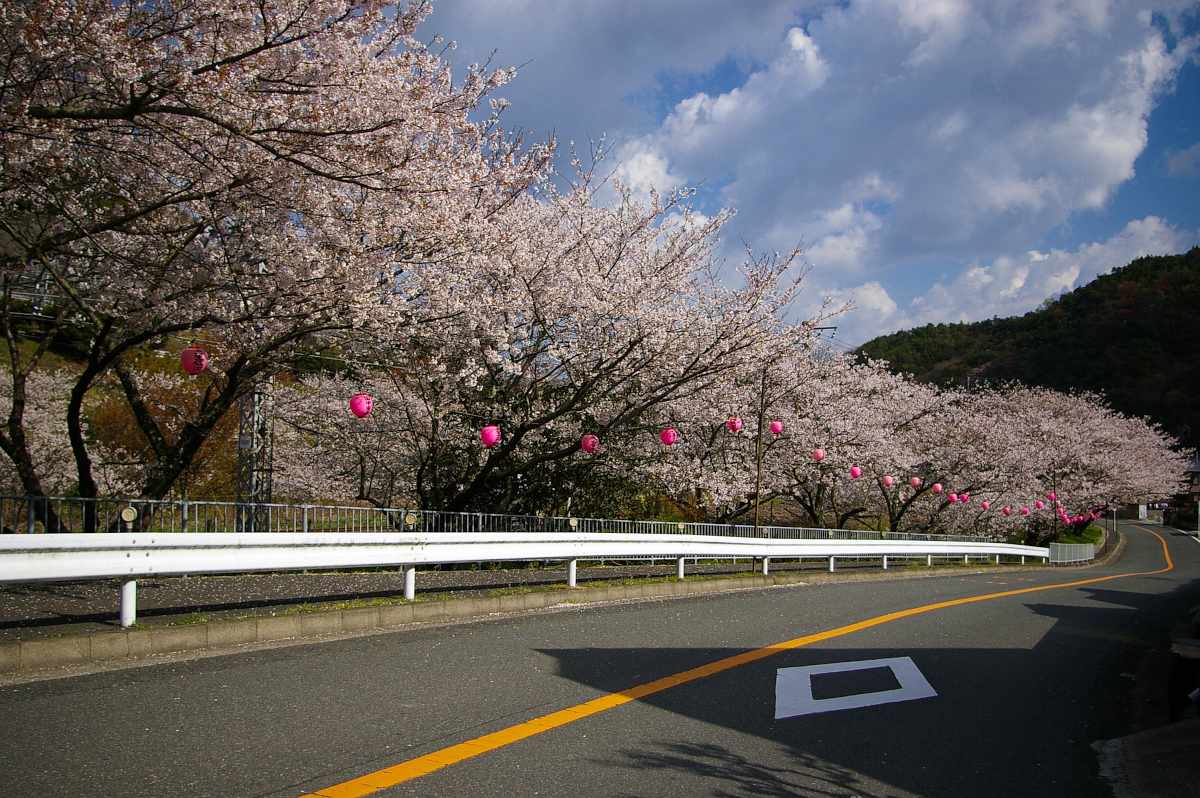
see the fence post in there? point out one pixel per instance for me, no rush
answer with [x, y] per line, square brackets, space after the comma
[184, 511]
[128, 603]
[305, 521]
[679, 568]
[570, 573]
[29, 514]
[410, 583]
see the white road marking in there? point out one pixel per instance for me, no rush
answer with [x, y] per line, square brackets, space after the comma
[794, 695]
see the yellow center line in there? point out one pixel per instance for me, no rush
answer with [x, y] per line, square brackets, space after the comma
[424, 765]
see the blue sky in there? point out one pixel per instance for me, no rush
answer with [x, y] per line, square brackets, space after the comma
[938, 160]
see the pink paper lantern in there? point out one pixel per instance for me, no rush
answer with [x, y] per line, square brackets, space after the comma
[915, 482]
[1024, 511]
[1041, 505]
[937, 487]
[888, 482]
[818, 454]
[668, 436]
[361, 404]
[1051, 496]
[734, 424]
[855, 472]
[776, 427]
[490, 435]
[1006, 510]
[985, 504]
[194, 360]
[589, 443]
[952, 498]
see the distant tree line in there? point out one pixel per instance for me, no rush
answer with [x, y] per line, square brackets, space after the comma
[1131, 335]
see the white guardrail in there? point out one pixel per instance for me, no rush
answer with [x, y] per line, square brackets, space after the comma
[128, 556]
[1066, 553]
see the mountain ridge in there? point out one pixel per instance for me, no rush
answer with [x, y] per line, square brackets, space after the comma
[1132, 334]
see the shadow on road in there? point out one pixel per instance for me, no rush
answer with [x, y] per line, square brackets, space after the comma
[1009, 718]
[740, 776]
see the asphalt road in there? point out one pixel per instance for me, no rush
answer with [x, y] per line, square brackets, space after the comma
[1023, 684]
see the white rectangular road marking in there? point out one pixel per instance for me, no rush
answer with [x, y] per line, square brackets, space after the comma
[794, 695]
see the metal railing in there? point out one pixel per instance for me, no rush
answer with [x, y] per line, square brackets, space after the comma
[1064, 553]
[132, 556]
[31, 515]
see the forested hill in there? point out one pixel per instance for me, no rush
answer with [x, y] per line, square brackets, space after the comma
[1133, 334]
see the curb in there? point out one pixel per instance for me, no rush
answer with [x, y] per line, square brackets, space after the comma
[133, 646]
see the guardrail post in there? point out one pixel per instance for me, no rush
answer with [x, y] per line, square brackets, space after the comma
[831, 565]
[929, 560]
[885, 562]
[1022, 559]
[184, 514]
[965, 560]
[679, 568]
[570, 573]
[997, 559]
[128, 603]
[766, 566]
[305, 519]
[410, 583]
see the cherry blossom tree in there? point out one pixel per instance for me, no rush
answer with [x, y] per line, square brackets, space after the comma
[270, 177]
[590, 318]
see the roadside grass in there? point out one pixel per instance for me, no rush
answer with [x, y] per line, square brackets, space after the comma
[1091, 534]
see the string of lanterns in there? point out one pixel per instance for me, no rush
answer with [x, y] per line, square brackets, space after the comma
[194, 360]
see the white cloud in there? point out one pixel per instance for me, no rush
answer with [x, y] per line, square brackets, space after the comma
[641, 167]
[586, 64]
[872, 310]
[878, 134]
[838, 240]
[990, 125]
[1009, 285]
[1012, 285]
